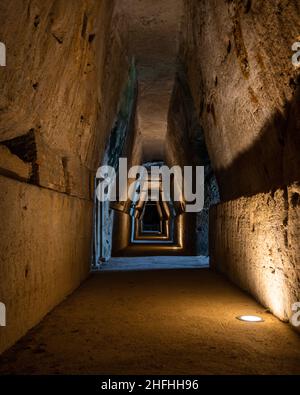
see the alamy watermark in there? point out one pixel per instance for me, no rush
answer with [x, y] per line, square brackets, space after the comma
[2, 55]
[295, 57]
[2, 314]
[142, 184]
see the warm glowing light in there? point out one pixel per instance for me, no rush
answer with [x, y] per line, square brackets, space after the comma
[250, 318]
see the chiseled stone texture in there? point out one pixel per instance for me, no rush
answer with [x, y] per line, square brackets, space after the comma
[12, 166]
[255, 241]
[186, 146]
[66, 68]
[238, 61]
[154, 32]
[45, 250]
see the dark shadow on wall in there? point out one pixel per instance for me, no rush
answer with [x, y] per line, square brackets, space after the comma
[272, 161]
[119, 144]
[187, 147]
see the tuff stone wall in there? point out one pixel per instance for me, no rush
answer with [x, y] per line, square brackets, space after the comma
[255, 241]
[45, 248]
[186, 147]
[59, 56]
[153, 41]
[211, 197]
[238, 60]
[66, 68]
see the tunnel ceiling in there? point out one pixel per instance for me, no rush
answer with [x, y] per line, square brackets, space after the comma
[153, 40]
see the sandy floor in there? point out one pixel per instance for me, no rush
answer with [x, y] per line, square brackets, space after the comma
[156, 322]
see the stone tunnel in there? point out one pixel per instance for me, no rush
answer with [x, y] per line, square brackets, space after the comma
[131, 286]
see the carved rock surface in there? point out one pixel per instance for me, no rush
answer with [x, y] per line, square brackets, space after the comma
[238, 59]
[255, 241]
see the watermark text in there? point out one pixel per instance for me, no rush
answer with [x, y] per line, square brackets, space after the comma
[142, 184]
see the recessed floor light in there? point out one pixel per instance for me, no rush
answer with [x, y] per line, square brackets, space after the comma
[250, 318]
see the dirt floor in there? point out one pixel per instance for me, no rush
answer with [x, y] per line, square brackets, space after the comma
[156, 322]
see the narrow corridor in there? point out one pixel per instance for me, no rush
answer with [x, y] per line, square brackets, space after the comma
[149, 186]
[156, 322]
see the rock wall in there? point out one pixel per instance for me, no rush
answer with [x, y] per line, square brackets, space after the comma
[255, 241]
[186, 147]
[120, 145]
[153, 41]
[66, 68]
[238, 60]
[211, 197]
[45, 249]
